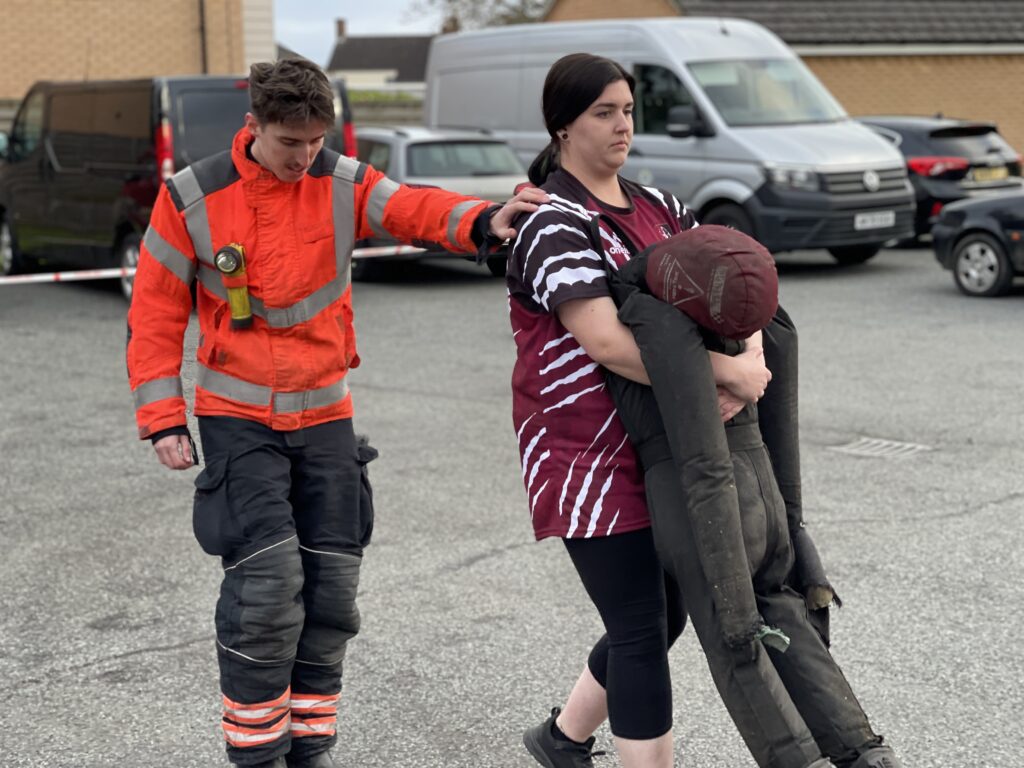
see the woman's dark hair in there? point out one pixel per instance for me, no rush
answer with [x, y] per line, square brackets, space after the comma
[290, 91]
[574, 82]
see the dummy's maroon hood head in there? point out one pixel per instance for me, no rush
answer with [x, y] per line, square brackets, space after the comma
[723, 279]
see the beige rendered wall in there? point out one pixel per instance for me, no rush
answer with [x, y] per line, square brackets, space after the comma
[575, 10]
[78, 39]
[976, 87]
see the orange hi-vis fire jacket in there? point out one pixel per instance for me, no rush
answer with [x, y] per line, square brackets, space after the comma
[288, 369]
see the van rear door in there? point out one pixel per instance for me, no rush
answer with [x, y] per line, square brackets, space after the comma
[205, 115]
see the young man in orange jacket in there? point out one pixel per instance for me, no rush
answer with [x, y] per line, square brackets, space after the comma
[267, 229]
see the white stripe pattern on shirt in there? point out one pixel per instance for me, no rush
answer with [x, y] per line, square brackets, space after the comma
[582, 495]
[599, 505]
[562, 360]
[574, 376]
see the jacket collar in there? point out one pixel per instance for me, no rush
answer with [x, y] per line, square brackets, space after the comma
[248, 169]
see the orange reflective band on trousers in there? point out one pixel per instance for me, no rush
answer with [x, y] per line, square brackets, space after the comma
[314, 714]
[253, 725]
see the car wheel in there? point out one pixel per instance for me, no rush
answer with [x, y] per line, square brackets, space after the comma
[730, 215]
[11, 260]
[848, 255]
[980, 266]
[497, 265]
[128, 258]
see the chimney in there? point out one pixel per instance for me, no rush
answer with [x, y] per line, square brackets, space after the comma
[341, 28]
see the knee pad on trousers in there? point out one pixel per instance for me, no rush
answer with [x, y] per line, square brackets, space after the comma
[329, 595]
[259, 614]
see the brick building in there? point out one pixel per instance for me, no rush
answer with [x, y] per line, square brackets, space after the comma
[99, 39]
[962, 58]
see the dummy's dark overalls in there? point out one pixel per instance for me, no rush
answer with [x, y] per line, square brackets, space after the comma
[793, 706]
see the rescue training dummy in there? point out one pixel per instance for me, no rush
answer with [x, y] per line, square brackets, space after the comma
[721, 526]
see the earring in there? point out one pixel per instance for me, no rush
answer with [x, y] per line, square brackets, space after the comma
[563, 135]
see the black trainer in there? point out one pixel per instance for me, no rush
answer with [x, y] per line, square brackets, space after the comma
[557, 753]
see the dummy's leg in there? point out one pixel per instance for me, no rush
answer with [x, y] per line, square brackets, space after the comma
[814, 681]
[779, 421]
[750, 687]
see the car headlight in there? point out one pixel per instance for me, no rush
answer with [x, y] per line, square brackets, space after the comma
[792, 177]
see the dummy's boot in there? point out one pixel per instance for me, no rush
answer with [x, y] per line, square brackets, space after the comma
[319, 760]
[878, 757]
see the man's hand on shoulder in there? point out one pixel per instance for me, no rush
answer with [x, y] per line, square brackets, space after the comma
[526, 200]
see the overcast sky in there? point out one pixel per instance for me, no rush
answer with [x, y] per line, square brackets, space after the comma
[308, 26]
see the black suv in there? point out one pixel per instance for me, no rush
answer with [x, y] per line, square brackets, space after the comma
[949, 160]
[84, 162]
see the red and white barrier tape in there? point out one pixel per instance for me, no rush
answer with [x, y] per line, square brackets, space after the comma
[116, 272]
[70, 276]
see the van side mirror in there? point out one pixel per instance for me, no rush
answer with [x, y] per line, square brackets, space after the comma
[4, 144]
[684, 120]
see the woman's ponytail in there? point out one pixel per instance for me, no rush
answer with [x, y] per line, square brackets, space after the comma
[544, 164]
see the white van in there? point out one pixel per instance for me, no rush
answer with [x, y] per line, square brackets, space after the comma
[727, 117]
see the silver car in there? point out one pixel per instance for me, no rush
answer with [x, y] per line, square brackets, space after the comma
[470, 163]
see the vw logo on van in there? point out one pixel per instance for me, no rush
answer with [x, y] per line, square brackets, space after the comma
[871, 181]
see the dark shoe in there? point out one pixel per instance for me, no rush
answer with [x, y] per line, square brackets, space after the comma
[319, 760]
[557, 753]
[878, 757]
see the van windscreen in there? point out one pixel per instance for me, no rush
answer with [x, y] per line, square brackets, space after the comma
[207, 120]
[765, 92]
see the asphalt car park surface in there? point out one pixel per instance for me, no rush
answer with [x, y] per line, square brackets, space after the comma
[471, 631]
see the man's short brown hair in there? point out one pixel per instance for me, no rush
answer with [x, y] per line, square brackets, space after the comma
[290, 91]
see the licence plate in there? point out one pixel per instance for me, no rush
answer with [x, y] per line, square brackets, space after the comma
[874, 220]
[990, 173]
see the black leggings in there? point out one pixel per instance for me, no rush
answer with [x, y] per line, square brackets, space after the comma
[625, 581]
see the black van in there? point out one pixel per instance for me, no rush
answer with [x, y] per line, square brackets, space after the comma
[84, 161]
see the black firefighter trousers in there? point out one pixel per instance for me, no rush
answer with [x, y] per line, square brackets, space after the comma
[288, 513]
[788, 705]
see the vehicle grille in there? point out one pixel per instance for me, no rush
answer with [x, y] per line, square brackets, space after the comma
[852, 182]
[839, 230]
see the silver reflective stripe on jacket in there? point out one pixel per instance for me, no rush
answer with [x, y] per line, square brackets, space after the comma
[382, 192]
[344, 175]
[196, 220]
[231, 388]
[343, 203]
[299, 312]
[180, 265]
[456, 216]
[157, 389]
